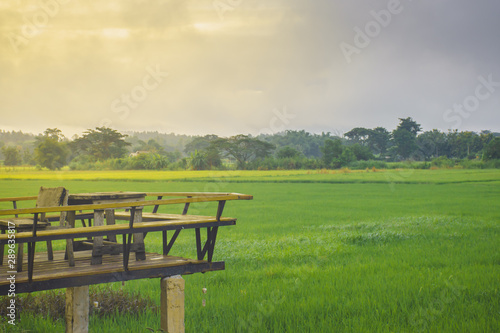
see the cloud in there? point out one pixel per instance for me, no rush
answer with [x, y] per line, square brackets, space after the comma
[226, 76]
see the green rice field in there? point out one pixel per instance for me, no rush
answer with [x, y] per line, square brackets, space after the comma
[319, 251]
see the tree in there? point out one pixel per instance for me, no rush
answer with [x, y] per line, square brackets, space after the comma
[288, 152]
[213, 157]
[481, 141]
[200, 143]
[361, 153]
[198, 161]
[305, 142]
[409, 125]
[243, 148]
[405, 137]
[204, 145]
[347, 156]
[28, 157]
[466, 140]
[432, 143]
[151, 146]
[378, 140]
[102, 143]
[465, 144]
[492, 150]
[51, 150]
[332, 151]
[54, 133]
[358, 135]
[12, 156]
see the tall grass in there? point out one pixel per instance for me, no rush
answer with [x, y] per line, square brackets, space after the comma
[414, 252]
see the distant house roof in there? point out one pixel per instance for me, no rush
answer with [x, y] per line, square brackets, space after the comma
[139, 152]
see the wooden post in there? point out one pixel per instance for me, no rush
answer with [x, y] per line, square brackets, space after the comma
[77, 309]
[172, 304]
[110, 219]
[70, 218]
[140, 254]
[98, 241]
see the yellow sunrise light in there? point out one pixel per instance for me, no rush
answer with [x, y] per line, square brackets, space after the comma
[206, 26]
[115, 33]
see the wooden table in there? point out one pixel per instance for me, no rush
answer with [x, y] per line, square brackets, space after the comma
[99, 248]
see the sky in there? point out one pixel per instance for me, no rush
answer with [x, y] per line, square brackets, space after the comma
[231, 67]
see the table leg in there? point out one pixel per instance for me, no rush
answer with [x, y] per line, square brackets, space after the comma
[140, 253]
[70, 218]
[98, 241]
[110, 219]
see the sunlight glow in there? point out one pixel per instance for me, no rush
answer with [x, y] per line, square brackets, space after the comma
[207, 27]
[115, 33]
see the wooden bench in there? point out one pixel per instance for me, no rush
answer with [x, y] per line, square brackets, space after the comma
[154, 222]
[76, 271]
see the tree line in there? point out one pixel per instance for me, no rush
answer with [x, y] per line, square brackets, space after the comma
[106, 148]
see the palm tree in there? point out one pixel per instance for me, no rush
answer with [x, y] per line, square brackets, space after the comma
[198, 161]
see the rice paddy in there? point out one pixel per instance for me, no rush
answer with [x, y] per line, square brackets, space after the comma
[320, 251]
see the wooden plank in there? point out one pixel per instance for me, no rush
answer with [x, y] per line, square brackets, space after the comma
[51, 197]
[105, 196]
[34, 197]
[58, 268]
[115, 229]
[123, 205]
[57, 274]
[22, 223]
[162, 216]
[197, 194]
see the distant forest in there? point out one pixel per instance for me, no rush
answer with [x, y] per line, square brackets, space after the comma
[105, 148]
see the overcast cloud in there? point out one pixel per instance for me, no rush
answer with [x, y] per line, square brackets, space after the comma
[228, 66]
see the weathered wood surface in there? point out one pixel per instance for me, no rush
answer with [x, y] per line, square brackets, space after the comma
[172, 304]
[77, 309]
[73, 270]
[117, 229]
[105, 197]
[57, 274]
[135, 228]
[22, 223]
[219, 197]
[162, 216]
[198, 194]
[152, 194]
[33, 197]
[51, 196]
[47, 197]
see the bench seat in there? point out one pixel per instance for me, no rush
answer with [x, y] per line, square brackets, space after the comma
[115, 229]
[27, 222]
[21, 223]
[161, 216]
